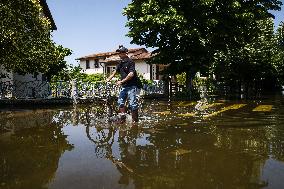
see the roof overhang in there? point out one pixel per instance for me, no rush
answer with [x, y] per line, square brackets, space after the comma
[47, 13]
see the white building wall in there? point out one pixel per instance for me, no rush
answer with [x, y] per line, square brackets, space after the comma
[9, 76]
[30, 86]
[142, 68]
[27, 77]
[92, 69]
[140, 65]
[24, 86]
[83, 64]
[145, 69]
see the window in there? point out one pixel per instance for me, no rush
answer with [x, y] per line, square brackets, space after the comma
[97, 63]
[110, 69]
[87, 64]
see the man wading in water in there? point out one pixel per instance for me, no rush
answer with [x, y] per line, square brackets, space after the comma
[128, 83]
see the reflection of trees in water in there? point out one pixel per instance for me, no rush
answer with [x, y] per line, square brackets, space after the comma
[10, 121]
[94, 114]
[30, 152]
[184, 160]
[210, 156]
[180, 160]
[276, 137]
[221, 157]
[224, 157]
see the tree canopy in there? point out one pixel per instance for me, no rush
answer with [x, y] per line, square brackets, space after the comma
[25, 42]
[279, 63]
[200, 34]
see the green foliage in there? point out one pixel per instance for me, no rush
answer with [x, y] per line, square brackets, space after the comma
[25, 42]
[94, 78]
[187, 33]
[74, 73]
[57, 67]
[181, 78]
[69, 73]
[208, 82]
[255, 61]
[279, 58]
[184, 95]
[144, 81]
[231, 39]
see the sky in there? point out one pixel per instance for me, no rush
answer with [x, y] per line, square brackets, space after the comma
[94, 26]
[89, 26]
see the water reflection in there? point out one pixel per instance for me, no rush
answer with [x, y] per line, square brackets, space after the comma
[237, 148]
[31, 145]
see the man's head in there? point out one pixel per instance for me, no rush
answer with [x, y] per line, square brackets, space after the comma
[122, 51]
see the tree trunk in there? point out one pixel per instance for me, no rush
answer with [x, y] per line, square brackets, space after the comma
[189, 83]
[166, 86]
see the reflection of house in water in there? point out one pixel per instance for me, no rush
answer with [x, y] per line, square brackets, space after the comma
[31, 145]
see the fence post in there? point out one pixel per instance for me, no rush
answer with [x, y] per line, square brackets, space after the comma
[1, 90]
[74, 91]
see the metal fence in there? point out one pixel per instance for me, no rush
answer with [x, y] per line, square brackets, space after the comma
[71, 89]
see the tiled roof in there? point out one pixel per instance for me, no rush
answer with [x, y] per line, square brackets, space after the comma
[141, 56]
[135, 54]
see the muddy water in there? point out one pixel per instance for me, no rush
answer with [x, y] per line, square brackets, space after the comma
[225, 144]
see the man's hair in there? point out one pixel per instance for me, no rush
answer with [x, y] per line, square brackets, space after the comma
[122, 49]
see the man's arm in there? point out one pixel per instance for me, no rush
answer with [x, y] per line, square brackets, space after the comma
[128, 77]
[111, 76]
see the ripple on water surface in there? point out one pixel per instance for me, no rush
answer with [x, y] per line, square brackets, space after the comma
[222, 145]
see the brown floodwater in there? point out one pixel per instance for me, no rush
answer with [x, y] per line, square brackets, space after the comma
[218, 144]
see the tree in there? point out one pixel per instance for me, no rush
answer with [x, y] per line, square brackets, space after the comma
[279, 63]
[74, 73]
[251, 66]
[25, 42]
[69, 73]
[59, 66]
[188, 34]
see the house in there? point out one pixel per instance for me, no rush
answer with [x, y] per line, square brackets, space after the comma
[46, 12]
[24, 85]
[105, 63]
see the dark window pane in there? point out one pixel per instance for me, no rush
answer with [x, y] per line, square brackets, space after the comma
[87, 64]
[97, 64]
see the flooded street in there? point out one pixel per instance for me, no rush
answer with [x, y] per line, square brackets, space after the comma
[220, 144]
